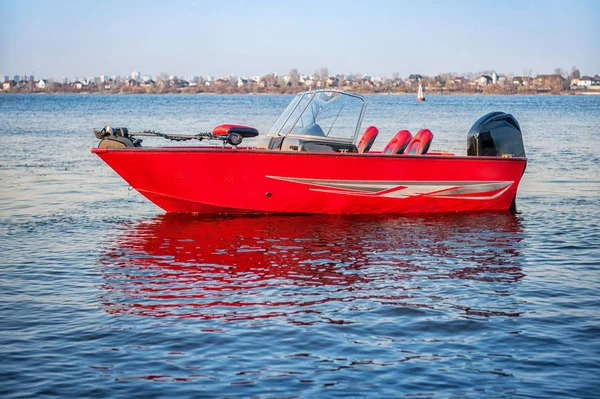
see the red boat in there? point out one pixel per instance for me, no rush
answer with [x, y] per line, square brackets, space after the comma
[316, 159]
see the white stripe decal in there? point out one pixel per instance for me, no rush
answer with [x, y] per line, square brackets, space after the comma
[405, 189]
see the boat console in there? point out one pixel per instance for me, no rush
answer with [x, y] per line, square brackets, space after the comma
[318, 121]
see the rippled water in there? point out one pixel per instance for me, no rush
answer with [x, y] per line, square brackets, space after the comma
[102, 294]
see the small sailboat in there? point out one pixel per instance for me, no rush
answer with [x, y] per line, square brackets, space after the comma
[420, 96]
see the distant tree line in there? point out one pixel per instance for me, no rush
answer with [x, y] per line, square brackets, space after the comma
[487, 82]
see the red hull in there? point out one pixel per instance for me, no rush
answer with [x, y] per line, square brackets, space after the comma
[216, 180]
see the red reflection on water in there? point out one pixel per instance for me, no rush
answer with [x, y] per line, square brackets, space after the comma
[248, 267]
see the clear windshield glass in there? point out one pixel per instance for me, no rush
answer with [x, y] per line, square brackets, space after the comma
[296, 113]
[323, 113]
[284, 116]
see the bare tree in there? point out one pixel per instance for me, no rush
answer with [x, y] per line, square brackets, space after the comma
[559, 71]
[324, 73]
[269, 80]
[294, 77]
[50, 86]
[575, 74]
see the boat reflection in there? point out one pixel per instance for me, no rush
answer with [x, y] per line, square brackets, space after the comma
[260, 267]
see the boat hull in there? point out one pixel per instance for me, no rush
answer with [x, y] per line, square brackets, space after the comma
[227, 181]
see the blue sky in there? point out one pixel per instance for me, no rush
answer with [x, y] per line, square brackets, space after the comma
[89, 38]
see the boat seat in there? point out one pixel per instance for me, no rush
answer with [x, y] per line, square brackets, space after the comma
[227, 128]
[419, 144]
[398, 143]
[367, 139]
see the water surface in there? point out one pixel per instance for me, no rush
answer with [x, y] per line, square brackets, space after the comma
[102, 294]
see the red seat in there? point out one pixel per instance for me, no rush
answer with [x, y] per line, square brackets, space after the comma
[398, 143]
[228, 128]
[419, 144]
[367, 139]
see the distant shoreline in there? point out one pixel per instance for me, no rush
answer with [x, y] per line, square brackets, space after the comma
[430, 94]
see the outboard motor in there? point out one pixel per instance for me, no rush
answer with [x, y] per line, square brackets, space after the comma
[496, 134]
[116, 138]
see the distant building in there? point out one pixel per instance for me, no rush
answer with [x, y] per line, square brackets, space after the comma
[331, 81]
[42, 84]
[522, 81]
[147, 83]
[6, 78]
[494, 77]
[131, 83]
[484, 80]
[135, 75]
[17, 78]
[549, 82]
[413, 80]
[9, 84]
[177, 82]
[585, 81]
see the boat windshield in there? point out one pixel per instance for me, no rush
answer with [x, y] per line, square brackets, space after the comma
[322, 113]
[284, 116]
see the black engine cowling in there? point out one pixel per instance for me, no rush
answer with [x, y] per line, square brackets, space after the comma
[495, 134]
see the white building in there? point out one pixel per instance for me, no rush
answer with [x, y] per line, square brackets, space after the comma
[135, 75]
[42, 84]
[484, 80]
[585, 81]
[494, 77]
